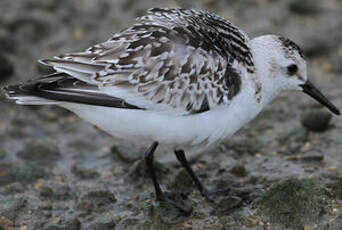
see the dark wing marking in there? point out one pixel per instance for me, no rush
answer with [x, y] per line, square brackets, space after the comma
[61, 87]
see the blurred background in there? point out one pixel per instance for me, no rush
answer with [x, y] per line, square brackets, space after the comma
[58, 172]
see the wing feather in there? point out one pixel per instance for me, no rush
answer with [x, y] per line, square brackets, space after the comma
[172, 60]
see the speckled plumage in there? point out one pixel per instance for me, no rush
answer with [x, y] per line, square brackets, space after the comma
[182, 61]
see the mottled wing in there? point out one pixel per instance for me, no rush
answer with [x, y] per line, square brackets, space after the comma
[175, 61]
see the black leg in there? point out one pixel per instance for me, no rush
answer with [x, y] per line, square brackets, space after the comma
[151, 170]
[204, 192]
[182, 159]
[160, 196]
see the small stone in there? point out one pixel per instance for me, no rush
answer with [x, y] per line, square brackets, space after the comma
[73, 224]
[316, 119]
[239, 170]
[6, 68]
[96, 200]
[40, 151]
[29, 173]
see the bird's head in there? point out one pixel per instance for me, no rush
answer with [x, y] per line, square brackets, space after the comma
[284, 67]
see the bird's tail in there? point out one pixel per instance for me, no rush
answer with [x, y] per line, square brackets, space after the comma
[24, 97]
[59, 88]
[28, 93]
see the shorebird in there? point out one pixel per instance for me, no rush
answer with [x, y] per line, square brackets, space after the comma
[177, 78]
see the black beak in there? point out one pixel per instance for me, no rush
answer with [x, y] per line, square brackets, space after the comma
[311, 90]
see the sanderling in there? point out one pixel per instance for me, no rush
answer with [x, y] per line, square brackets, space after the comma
[177, 78]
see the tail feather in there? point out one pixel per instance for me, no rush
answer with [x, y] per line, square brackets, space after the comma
[60, 88]
[23, 97]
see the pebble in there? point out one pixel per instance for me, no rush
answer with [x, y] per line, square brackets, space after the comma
[316, 119]
[40, 151]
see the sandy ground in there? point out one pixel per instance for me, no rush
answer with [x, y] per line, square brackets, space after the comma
[58, 172]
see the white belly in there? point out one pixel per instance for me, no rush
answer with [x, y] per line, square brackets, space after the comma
[145, 127]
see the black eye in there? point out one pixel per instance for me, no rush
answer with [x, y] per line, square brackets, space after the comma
[292, 69]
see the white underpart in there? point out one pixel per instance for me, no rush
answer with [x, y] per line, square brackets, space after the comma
[173, 132]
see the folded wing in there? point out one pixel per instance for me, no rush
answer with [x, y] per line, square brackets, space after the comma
[175, 61]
